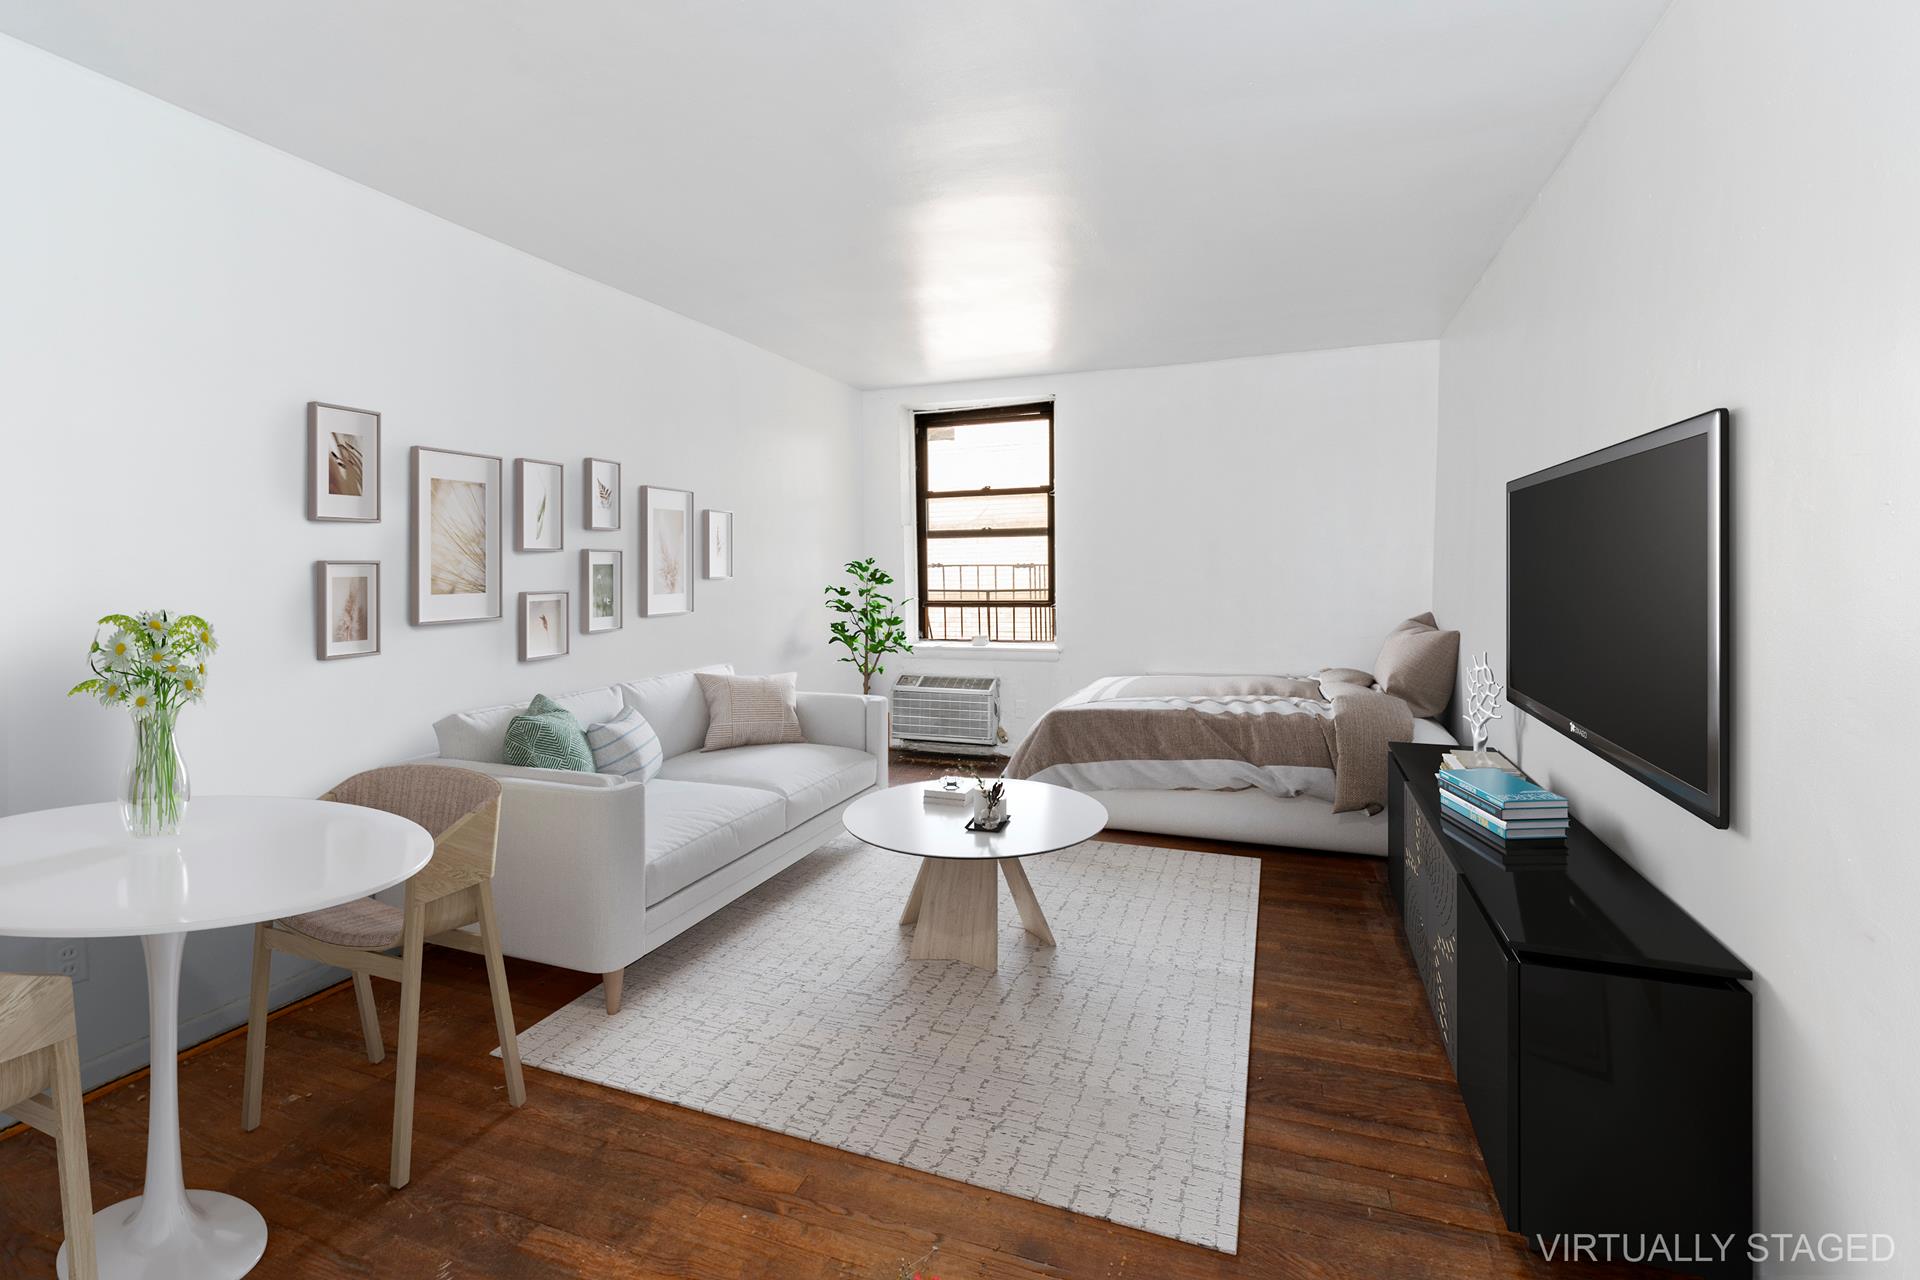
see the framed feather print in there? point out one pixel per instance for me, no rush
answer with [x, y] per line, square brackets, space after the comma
[666, 551]
[343, 463]
[539, 522]
[457, 537]
[603, 494]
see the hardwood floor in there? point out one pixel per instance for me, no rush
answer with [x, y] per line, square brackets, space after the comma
[1359, 1161]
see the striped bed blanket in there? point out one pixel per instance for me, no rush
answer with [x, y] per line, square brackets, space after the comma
[1285, 735]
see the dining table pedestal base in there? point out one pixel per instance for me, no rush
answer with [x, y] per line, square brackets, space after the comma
[215, 1237]
[171, 1233]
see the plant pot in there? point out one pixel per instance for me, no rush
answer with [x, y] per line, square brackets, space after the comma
[154, 789]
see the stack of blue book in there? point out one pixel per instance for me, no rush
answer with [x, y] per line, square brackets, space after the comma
[1504, 807]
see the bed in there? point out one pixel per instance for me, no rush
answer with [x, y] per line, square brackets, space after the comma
[1295, 761]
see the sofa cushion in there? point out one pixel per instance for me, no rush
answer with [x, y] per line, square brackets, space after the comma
[625, 746]
[674, 706]
[809, 777]
[749, 711]
[481, 734]
[546, 736]
[694, 829]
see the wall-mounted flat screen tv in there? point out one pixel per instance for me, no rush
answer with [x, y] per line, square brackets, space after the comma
[1617, 606]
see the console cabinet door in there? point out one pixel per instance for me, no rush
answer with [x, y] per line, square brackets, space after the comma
[1489, 1000]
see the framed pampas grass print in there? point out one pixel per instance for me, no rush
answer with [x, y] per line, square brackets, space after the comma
[343, 463]
[666, 551]
[539, 506]
[718, 537]
[603, 494]
[602, 589]
[543, 625]
[347, 608]
[457, 539]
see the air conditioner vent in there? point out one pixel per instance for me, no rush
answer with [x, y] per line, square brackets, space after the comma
[976, 683]
[946, 711]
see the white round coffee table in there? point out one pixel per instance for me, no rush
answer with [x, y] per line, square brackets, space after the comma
[76, 873]
[955, 903]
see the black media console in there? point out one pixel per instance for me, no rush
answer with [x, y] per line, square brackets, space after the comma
[1601, 1038]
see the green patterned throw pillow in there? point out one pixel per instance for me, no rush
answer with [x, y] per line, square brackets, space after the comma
[546, 736]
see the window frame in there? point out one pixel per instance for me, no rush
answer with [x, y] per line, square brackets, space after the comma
[922, 496]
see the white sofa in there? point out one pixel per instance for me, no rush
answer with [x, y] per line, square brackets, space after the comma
[594, 871]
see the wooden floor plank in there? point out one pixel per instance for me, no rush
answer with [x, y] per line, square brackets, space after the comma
[1359, 1159]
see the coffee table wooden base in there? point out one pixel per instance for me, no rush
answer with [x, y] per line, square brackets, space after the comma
[955, 909]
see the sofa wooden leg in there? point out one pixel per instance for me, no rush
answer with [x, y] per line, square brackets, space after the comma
[614, 982]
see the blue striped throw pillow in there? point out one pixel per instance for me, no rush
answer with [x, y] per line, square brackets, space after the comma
[625, 745]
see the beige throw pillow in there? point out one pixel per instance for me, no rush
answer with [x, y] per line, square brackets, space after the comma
[746, 711]
[1417, 664]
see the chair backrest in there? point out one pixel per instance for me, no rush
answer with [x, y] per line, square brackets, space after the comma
[459, 808]
[36, 1010]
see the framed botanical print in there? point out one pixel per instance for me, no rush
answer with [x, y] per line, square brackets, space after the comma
[539, 512]
[343, 463]
[666, 551]
[543, 625]
[603, 586]
[457, 539]
[347, 608]
[718, 536]
[603, 494]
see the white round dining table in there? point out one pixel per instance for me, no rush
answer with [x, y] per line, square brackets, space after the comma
[76, 873]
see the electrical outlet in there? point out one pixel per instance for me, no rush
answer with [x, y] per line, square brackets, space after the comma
[69, 957]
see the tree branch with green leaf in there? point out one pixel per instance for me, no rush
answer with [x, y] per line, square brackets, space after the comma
[870, 625]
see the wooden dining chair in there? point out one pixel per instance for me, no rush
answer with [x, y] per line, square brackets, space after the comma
[461, 809]
[40, 1084]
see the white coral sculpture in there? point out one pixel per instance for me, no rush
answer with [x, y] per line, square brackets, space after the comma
[1483, 699]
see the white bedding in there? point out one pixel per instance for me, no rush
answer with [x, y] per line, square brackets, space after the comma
[1228, 799]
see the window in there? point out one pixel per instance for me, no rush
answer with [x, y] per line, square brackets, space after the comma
[983, 490]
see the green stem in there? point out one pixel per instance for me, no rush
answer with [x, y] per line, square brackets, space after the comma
[156, 798]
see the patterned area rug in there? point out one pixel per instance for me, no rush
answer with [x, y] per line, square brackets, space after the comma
[1107, 1076]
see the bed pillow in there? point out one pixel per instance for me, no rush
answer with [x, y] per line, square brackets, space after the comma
[748, 711]
[1417, 664]
[625, 746]
[1346, 675]
[547, 736]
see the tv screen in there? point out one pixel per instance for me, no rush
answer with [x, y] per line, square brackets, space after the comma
[1617, 606]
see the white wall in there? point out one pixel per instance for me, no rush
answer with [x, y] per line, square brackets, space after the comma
[174, 294]
[1271, 514]
[1737, 226]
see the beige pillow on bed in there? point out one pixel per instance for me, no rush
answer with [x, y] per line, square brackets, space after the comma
[748, 711]
[1417, 663]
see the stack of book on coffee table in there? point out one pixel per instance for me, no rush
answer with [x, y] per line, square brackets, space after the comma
[1505, 810]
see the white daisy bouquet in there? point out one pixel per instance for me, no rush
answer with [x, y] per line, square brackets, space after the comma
[152, 664]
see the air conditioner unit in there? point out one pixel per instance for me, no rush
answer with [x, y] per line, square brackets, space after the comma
[947, 713]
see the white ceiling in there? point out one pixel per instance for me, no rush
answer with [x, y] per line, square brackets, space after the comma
[899, 192]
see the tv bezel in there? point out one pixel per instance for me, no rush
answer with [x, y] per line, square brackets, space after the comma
[1712, 804]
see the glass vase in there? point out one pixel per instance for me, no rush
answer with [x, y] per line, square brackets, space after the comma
[154, 791]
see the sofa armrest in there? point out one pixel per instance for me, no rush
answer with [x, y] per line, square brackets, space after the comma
[570, 872]
[851, 720]
[522, 773]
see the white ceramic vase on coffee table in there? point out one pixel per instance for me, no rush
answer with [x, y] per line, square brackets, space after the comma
[955, 903]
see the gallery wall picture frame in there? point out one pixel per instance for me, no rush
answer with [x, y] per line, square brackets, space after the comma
[539, 505]
[717, 533]
[343, 463]
[603, 591]
[456, 536]
[666, 551]
[602, 494]
[346, 608]
[544, 629]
